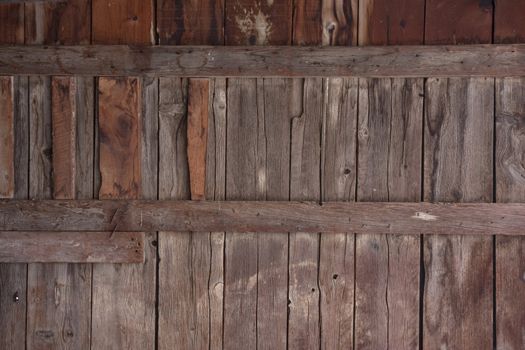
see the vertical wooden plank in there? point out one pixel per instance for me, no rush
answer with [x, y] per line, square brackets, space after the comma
[258, 22]
[458, 168]
[398, 22]
[11, 24]
[196, 319]
[336, 261]
[305, 184]
[387, 267]
[122, 22]
[14, 130]
[187, 22]
[510, 144]
[390, 142]
[458, 22]
[123, 295]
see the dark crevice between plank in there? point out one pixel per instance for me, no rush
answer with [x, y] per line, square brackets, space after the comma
[494, 199]
[157, 270]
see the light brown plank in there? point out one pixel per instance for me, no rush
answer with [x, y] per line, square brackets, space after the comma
[387, 267]
[305, 183]
[510, 251]
[123, 295]
[72, 247]
[458, 167]
[271, 61]
[336, 261]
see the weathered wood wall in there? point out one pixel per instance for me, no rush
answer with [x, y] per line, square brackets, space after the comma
[268, 139]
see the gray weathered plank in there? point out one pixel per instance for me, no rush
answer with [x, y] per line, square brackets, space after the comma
[336, 261]
[305, 184]
[212, 61]
[458, 168]
[510, 187]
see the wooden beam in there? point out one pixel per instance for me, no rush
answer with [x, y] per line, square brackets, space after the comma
[211, 61]
[71, 247]
[253, 216]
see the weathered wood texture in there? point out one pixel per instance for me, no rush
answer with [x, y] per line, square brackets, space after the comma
[458, 167]
[11, 24]
[285, 61]
[510, 144]
[13, 277]
[72, 247]
[387, 267]
[123, 295]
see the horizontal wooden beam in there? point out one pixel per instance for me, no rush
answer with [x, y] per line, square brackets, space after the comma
[255, 61]
[72, 247]
[203, 216]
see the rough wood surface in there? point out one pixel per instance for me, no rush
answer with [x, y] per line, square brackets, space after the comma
[508, 27]
[284, 61]
[11, 23]
[336, 260]
[458, 22]
[189, 22]
[7, 137]
[510, 174]
[458, 168]
[13, 277]
[387, 267]
[305, 184]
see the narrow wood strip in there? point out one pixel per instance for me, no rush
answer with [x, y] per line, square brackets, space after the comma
[207, 61]
[267, 216]
[71, 247]
[7, 142]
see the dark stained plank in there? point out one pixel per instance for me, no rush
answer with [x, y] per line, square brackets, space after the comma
[336, 260]
[391, 22]
[185, 22]
[510, 117]
[11, 24]
[458, 168]
[122, 22]
[13, 277]
[458, 22]
[123, 295]
[63, 23]
[510, 251]
[387, 267]
[257, 22]
[285, 61]
[240, 277]
[305, 184]
[67, 247]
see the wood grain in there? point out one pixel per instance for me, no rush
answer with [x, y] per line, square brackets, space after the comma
[458, 22]
[510, 251]
[336, 260]
[305, 184]
[275, 61]
[190, 22]
[390, 120]
[11, 24]
[458, 269]
[122, 22]
[7, 138]
[13, 277]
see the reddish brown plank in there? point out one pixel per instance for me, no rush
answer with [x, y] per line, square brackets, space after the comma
[7, 141]
[458, 22]
[509, 26]
[11, 23]
[183, 22]
[122, 22]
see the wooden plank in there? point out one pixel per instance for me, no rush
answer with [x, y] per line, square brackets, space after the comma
[71, 247]
[117, 287]
[190, 23]
[510, 251]
[271, 61]
[61, 23]
[13, 277]
[336, 260]
[7, 138]
[256, 22]
[122, 22]
[262, 216]
[458, 22]
[305, 183]
[11, 24]
[387, 267]
[508, 27]
[398, 22]
[458, 135]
